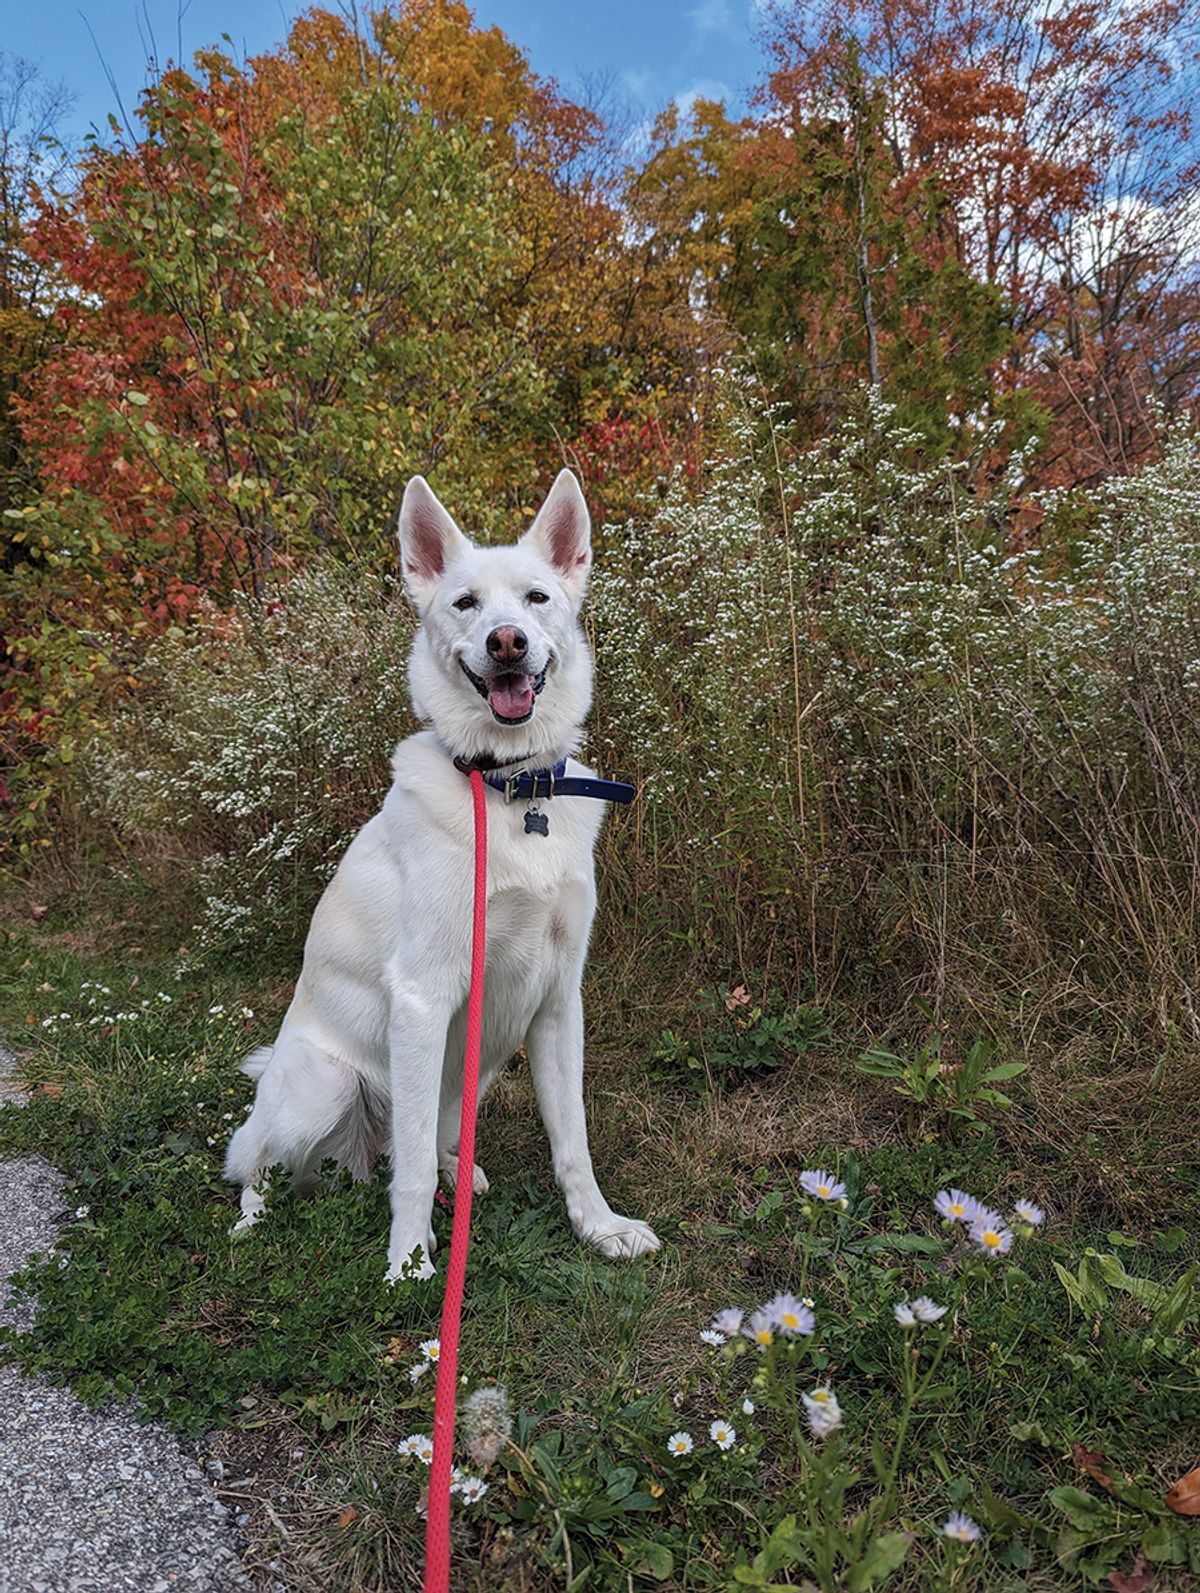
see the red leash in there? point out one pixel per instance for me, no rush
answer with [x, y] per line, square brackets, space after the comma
[437, 1526]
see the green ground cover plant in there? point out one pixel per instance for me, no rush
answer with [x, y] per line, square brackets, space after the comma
[664, 1427]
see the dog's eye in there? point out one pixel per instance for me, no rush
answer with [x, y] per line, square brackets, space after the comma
[538, 597]
[463, 603]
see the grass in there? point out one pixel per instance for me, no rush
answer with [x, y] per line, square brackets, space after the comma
[289, 1343]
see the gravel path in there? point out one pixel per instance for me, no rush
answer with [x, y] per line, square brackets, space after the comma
[92, 1502]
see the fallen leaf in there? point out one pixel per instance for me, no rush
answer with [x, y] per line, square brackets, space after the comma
[1094, 1464]
[737, 998]
[348, 1515]
[1184, 1496]
[1137, 1581]
[38, 911]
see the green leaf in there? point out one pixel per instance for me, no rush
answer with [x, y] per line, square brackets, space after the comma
[653, 1559]
[1165, 1543]
[1006, 1070]
[880, 1560]
[1082, 1510]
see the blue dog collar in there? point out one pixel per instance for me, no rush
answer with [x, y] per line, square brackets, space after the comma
[537, 785]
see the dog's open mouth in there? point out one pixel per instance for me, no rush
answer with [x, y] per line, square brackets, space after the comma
[508, 693]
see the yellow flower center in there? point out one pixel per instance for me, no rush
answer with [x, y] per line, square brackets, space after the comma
[790, 1319]
[823, 1191]
[821, 1395]
[990, 1238]
[764, 1336]
[958, 1210]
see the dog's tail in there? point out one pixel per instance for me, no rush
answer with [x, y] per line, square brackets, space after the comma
[255, 1065]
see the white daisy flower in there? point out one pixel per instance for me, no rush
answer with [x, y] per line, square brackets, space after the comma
[728, 1322]
[791, 1317]
[410, 1445]
[472, 1489]
[760, 1330]
[424, 1450]
[431, 1349]
[822, 1185]
[905, 1314]
[924, 1309]
[82, 1211]
[989, 1236]
[960, 1526]
[955, 1206]
[1028, 1212]
[722, 1434]
[417, 1372]
[680, 1444]
[711, 1336]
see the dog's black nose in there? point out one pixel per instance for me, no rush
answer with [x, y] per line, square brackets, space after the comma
[507, 643]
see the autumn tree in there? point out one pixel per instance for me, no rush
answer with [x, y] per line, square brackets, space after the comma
[30, 155]
[1061, 140]
[793, 228]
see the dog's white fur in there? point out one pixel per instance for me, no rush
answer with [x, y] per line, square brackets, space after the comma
[370, 1054]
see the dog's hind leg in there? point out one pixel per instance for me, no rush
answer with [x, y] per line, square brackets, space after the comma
[449, 1130]
[309, 1109]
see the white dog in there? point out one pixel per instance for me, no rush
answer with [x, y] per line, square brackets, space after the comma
[370, 1054]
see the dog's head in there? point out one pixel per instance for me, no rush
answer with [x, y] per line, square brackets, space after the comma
[500, 666]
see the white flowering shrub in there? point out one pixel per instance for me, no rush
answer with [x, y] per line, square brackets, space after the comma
[869, 738]
[872, 744]
[262, 738]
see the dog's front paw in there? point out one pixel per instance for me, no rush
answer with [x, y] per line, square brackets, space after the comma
[621, 1238]
[414, 1267]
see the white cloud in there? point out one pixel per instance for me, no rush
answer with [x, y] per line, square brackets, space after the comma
[713, 16]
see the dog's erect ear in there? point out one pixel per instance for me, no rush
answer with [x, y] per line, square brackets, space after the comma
[562, 533]
[429, 539]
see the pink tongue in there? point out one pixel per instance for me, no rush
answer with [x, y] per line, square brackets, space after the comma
[511, 696]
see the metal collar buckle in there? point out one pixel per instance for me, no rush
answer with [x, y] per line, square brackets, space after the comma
[512, 782]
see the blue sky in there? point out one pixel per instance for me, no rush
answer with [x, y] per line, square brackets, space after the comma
[646, 52]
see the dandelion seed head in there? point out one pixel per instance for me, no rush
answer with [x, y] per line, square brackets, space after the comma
[823, 1412]
[486, 1424]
